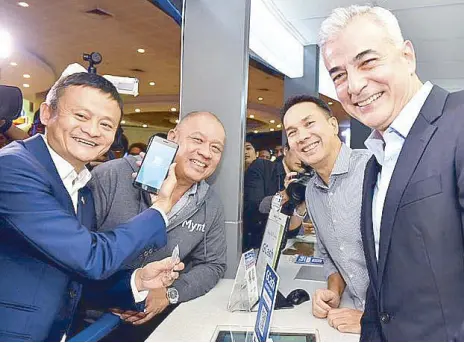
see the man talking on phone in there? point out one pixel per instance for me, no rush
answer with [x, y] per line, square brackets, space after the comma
[47, 248]
[196, 221]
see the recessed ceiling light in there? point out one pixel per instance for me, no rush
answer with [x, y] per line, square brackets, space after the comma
[260, 98]
[144, 125]
[26, 85]
[279, 125]
[13, 64]
[151, 83]
[177, 121]
[252, 116]
[173, 109]
[23, 4]
[255, 131]
[271, 129]
[141, 51]
[330, 103]
[137, 110]
[26, 76]
[272, 121]
[123, 122]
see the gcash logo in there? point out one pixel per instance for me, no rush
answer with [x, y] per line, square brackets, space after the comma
[193, 226]
[268, 251]
[271, 280]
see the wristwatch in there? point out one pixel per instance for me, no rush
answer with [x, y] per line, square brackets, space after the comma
[301, 216]
[173, 295]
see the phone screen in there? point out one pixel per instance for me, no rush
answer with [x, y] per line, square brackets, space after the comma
[156, 164]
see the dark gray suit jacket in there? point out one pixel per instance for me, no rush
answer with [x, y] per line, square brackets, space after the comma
[416, 292]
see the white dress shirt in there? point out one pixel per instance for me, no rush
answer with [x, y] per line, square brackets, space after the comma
[386, 150]
[73, 182]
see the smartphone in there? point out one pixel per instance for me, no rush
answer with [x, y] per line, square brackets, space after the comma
[155, 165]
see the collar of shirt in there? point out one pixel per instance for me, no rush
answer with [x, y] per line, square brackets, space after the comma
[183, 201]
[71, 179]
[341, 166]
[402, 124]
[192, 190]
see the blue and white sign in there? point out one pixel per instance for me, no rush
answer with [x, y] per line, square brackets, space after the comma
[266, 305]
[301, 259]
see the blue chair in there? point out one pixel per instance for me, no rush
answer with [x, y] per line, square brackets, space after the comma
[95, 332]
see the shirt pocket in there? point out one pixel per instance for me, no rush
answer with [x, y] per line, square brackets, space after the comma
[421, 189]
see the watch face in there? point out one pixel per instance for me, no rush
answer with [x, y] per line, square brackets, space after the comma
[173, 295]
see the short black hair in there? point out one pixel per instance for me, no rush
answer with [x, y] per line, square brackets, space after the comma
[298, 99]
[85, 80]
[251, 143]
[140, 145]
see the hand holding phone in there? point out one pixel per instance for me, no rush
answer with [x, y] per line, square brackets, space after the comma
[163, 200]
[153, 170]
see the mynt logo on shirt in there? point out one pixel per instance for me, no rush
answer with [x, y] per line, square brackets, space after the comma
[193, 226]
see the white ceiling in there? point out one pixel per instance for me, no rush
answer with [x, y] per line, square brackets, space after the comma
[435, 28]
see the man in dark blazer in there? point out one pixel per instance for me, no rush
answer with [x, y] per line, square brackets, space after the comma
[413, 201]
[47, 248]
[263, 179]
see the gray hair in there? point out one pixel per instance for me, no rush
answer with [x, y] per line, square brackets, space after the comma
[342, 16]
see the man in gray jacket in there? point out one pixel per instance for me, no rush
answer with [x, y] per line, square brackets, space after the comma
[196, 221]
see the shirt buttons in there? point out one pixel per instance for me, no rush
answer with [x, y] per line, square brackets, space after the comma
[145, 253]
[331, 193]
[150, 251]
[350, 276]
[342, 248]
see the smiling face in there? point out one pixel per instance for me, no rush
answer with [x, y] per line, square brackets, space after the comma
[311, 135]
[83, 126]
[201, 139]
[373, 77]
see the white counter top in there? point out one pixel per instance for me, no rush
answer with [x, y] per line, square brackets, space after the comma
[197, 319]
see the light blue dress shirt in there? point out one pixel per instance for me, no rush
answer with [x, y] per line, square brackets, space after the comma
[386, 150]
[335, 210]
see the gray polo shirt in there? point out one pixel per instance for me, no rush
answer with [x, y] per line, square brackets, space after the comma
[335, 210]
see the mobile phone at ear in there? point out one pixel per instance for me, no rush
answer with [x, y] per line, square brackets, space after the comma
[155, 165]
